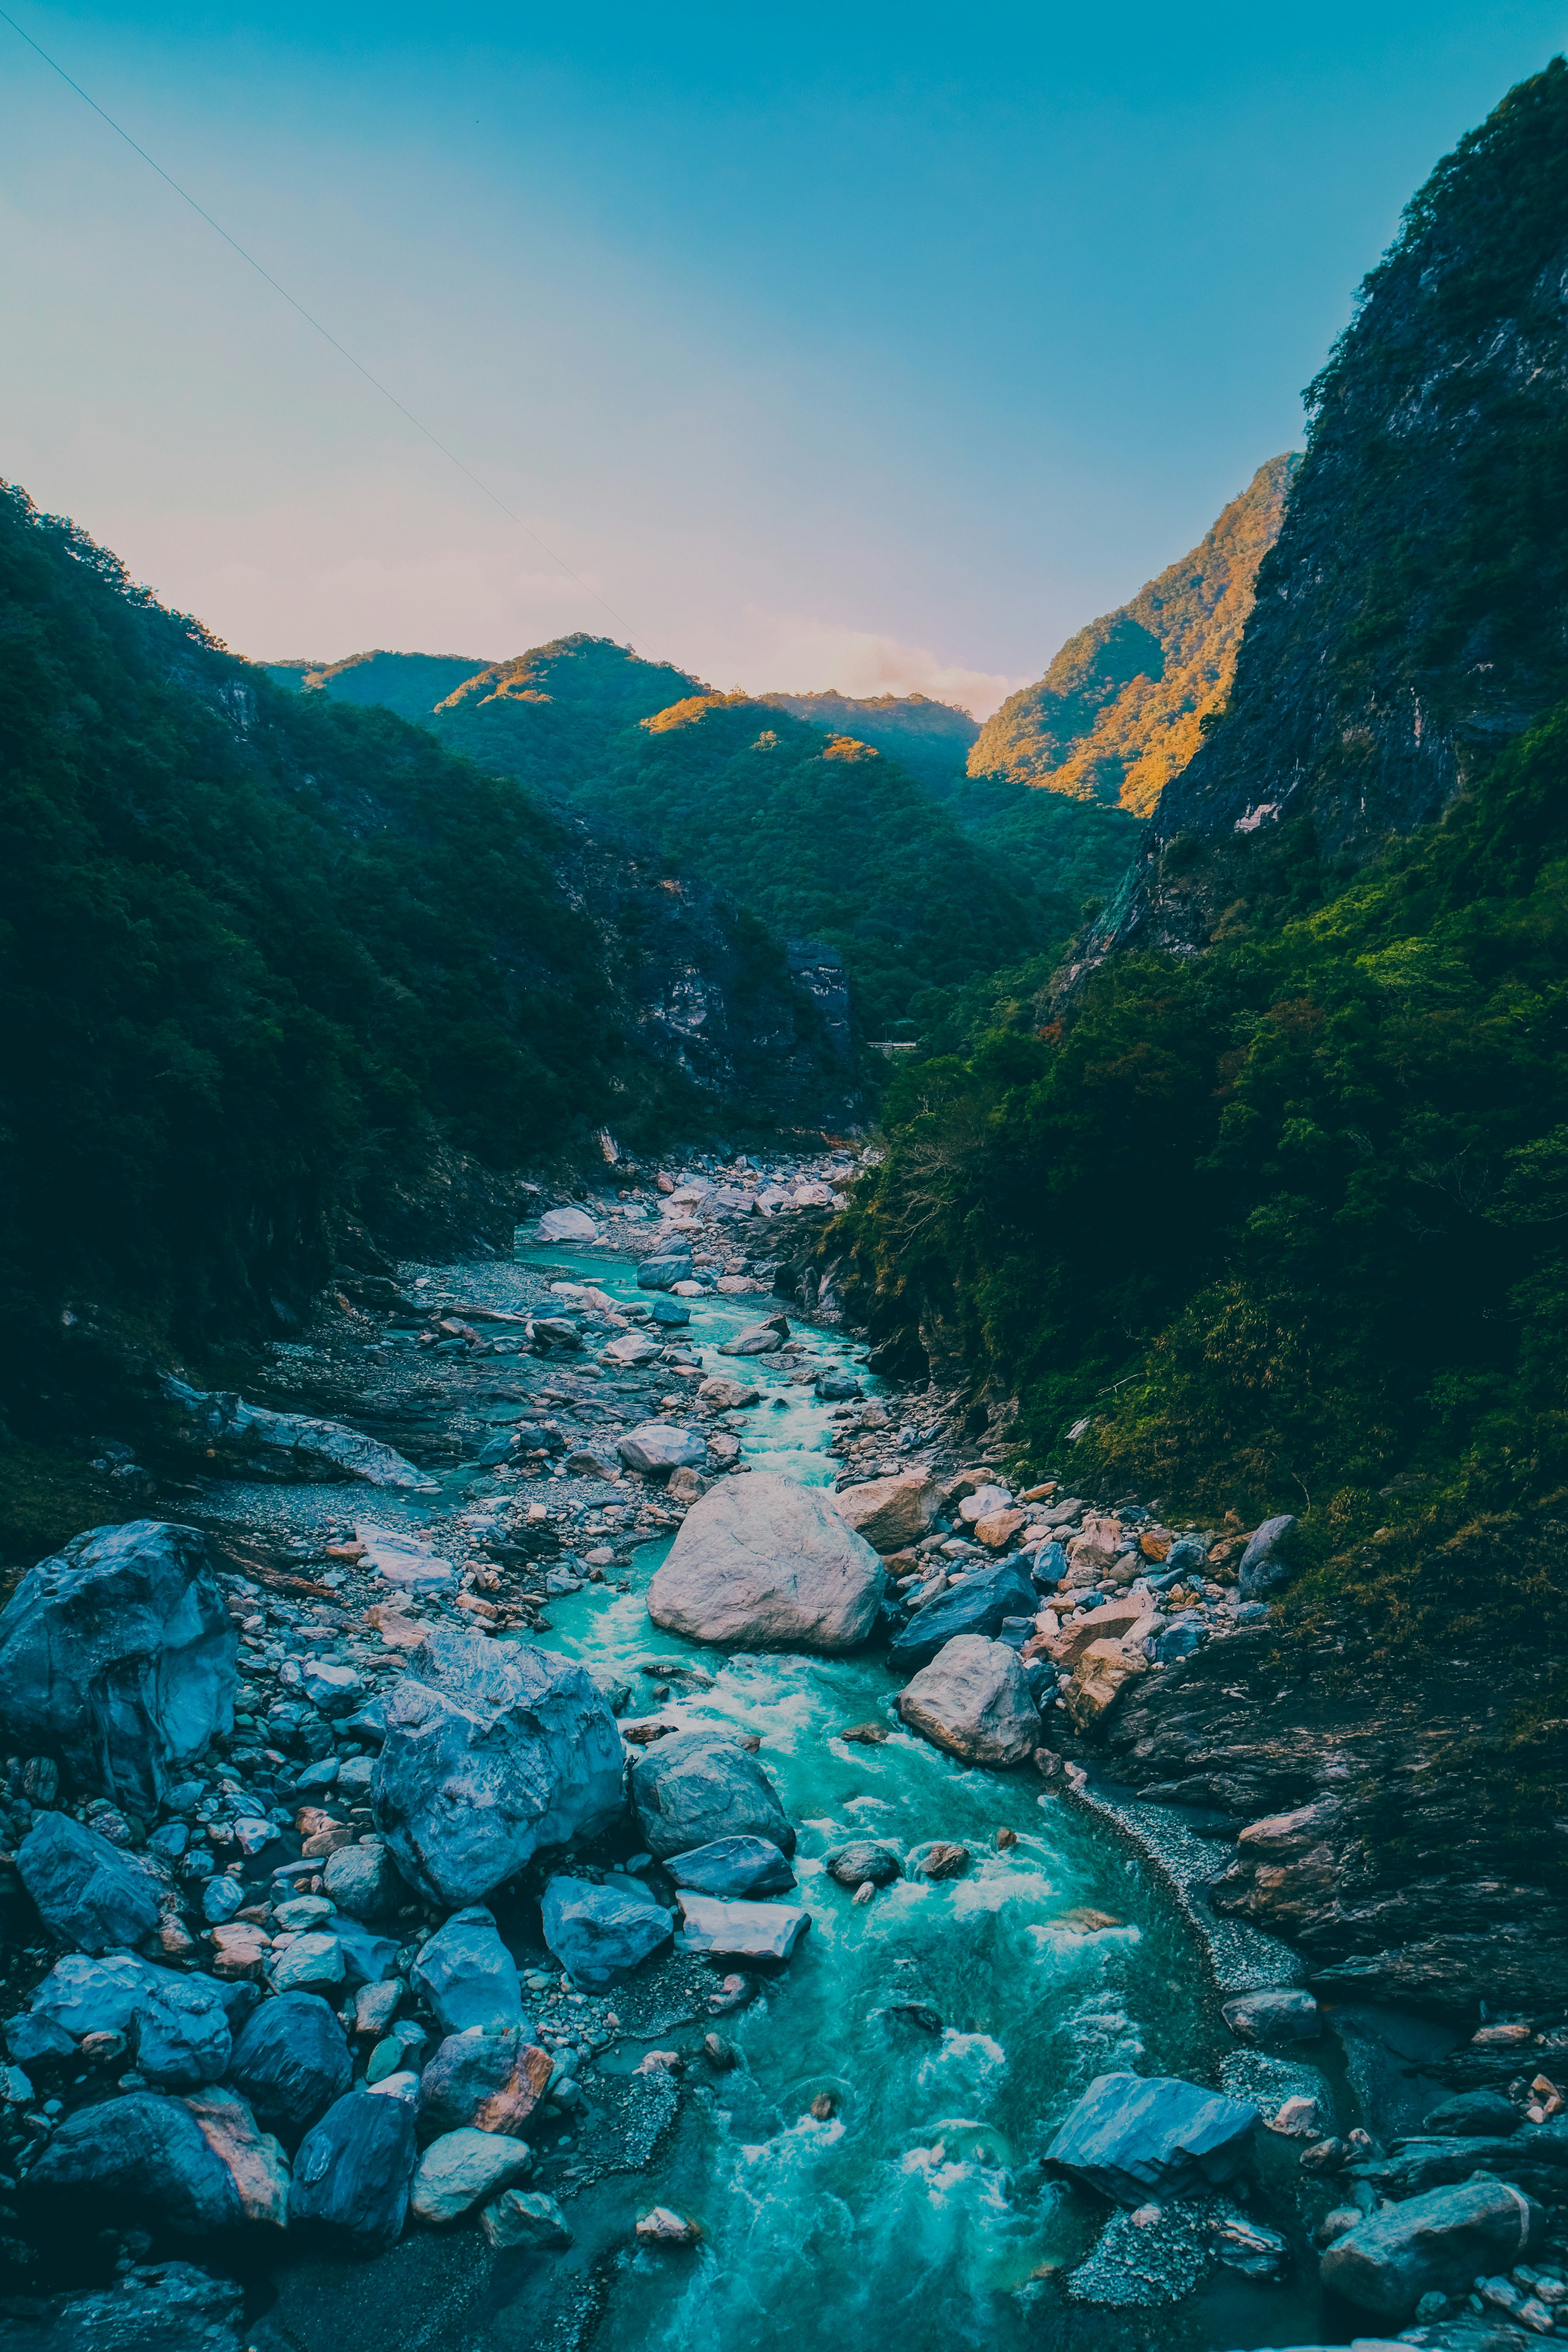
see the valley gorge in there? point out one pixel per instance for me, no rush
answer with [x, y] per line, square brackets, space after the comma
[784, 1480]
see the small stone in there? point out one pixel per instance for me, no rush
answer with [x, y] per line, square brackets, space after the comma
[721, 2054]
[664, 2226]
[822, 2107]
[523, 2216]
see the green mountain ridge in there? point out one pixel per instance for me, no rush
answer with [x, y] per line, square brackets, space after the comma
[264, 958]
[823, 834]
[1277, 1221]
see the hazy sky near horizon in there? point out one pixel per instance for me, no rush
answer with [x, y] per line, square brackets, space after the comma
[862, 347]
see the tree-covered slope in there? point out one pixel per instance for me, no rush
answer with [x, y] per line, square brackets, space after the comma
[1120, 710]
[931, 738]
[410, 684]
[261, 955]
[1413, 616]
[1283, 1222]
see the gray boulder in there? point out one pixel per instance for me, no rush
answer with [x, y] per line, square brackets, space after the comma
[733, 1868]
[144, 2151]
[1434, 2245]
[864, 1863]
[891, 1511]
[467, 1976]
[365, 1881]
[491, 1750]
[523, 2216]
[177, 2026]
[764, 1563]
[86, 1891]
[1264, 1566]
[1474, 2115]
[973, 1700]
[464, 2169]
[1285, 2015]
[117, 1657]
[760, 1340]
[567, 1225]
[1135, 2137]
[657, 1445]
[291, 2062]
[699, 1785]
[353, 2173]
[976, 1605]
[491, 2082]
[663, 1272]
[600, 1934]
[740, 1931]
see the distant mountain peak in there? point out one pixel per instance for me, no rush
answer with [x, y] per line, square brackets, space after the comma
[1120, 710]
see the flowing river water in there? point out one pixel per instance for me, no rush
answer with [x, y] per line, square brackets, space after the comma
[916, 2216]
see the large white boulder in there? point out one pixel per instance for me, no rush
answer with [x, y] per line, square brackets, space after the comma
[972, 1700]
[567, 1225]
[762, 1563]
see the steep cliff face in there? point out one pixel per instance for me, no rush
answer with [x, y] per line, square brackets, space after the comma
[1413, 616]
[1117, 714]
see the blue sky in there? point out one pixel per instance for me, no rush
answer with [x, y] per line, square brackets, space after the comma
[854, 346]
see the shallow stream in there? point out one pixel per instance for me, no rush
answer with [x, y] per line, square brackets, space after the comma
[916, 2217]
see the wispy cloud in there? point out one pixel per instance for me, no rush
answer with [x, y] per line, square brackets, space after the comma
[793, 654]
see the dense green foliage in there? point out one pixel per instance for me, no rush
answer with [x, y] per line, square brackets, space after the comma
[410, 684]
[258, 954]
[1288, 1221]
[896, 861]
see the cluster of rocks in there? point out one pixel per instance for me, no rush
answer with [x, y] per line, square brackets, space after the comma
[265, 1986]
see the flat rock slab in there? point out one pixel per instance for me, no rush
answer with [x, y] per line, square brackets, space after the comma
[764, 1563]
[733, 1868]
[1136, 2137]
[740, 1931]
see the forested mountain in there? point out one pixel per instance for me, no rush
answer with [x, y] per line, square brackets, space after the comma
[1411, 619]
[1283, 1222]
[261, 957]
[1118, 711]
[824, 833]
[931, 738]
[410, 684]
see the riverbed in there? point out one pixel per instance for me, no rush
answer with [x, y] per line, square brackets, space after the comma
[915, 2213]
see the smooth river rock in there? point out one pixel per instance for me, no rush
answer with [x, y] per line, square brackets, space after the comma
[467, 1974]
[491, 1750]
[464, 2169]
[762, 1563]
[353, 2173]
[291, 2062]
[699, 1785]
[1136, 2136]
[87, 1890]
[492, 2082]
[973, 1700]
[658, 1446]
[1436, 2243]
[117, 1658]
[890, 1512]
[567, 1225]
[600, 1934]
[979, 1604]
[733, 1868]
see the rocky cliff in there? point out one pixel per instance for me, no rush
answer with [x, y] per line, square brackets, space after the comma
[1410, 620]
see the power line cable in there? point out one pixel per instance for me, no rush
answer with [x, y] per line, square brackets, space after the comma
[436, 442]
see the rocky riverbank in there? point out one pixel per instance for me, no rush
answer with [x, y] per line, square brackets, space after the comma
[346, 1913]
